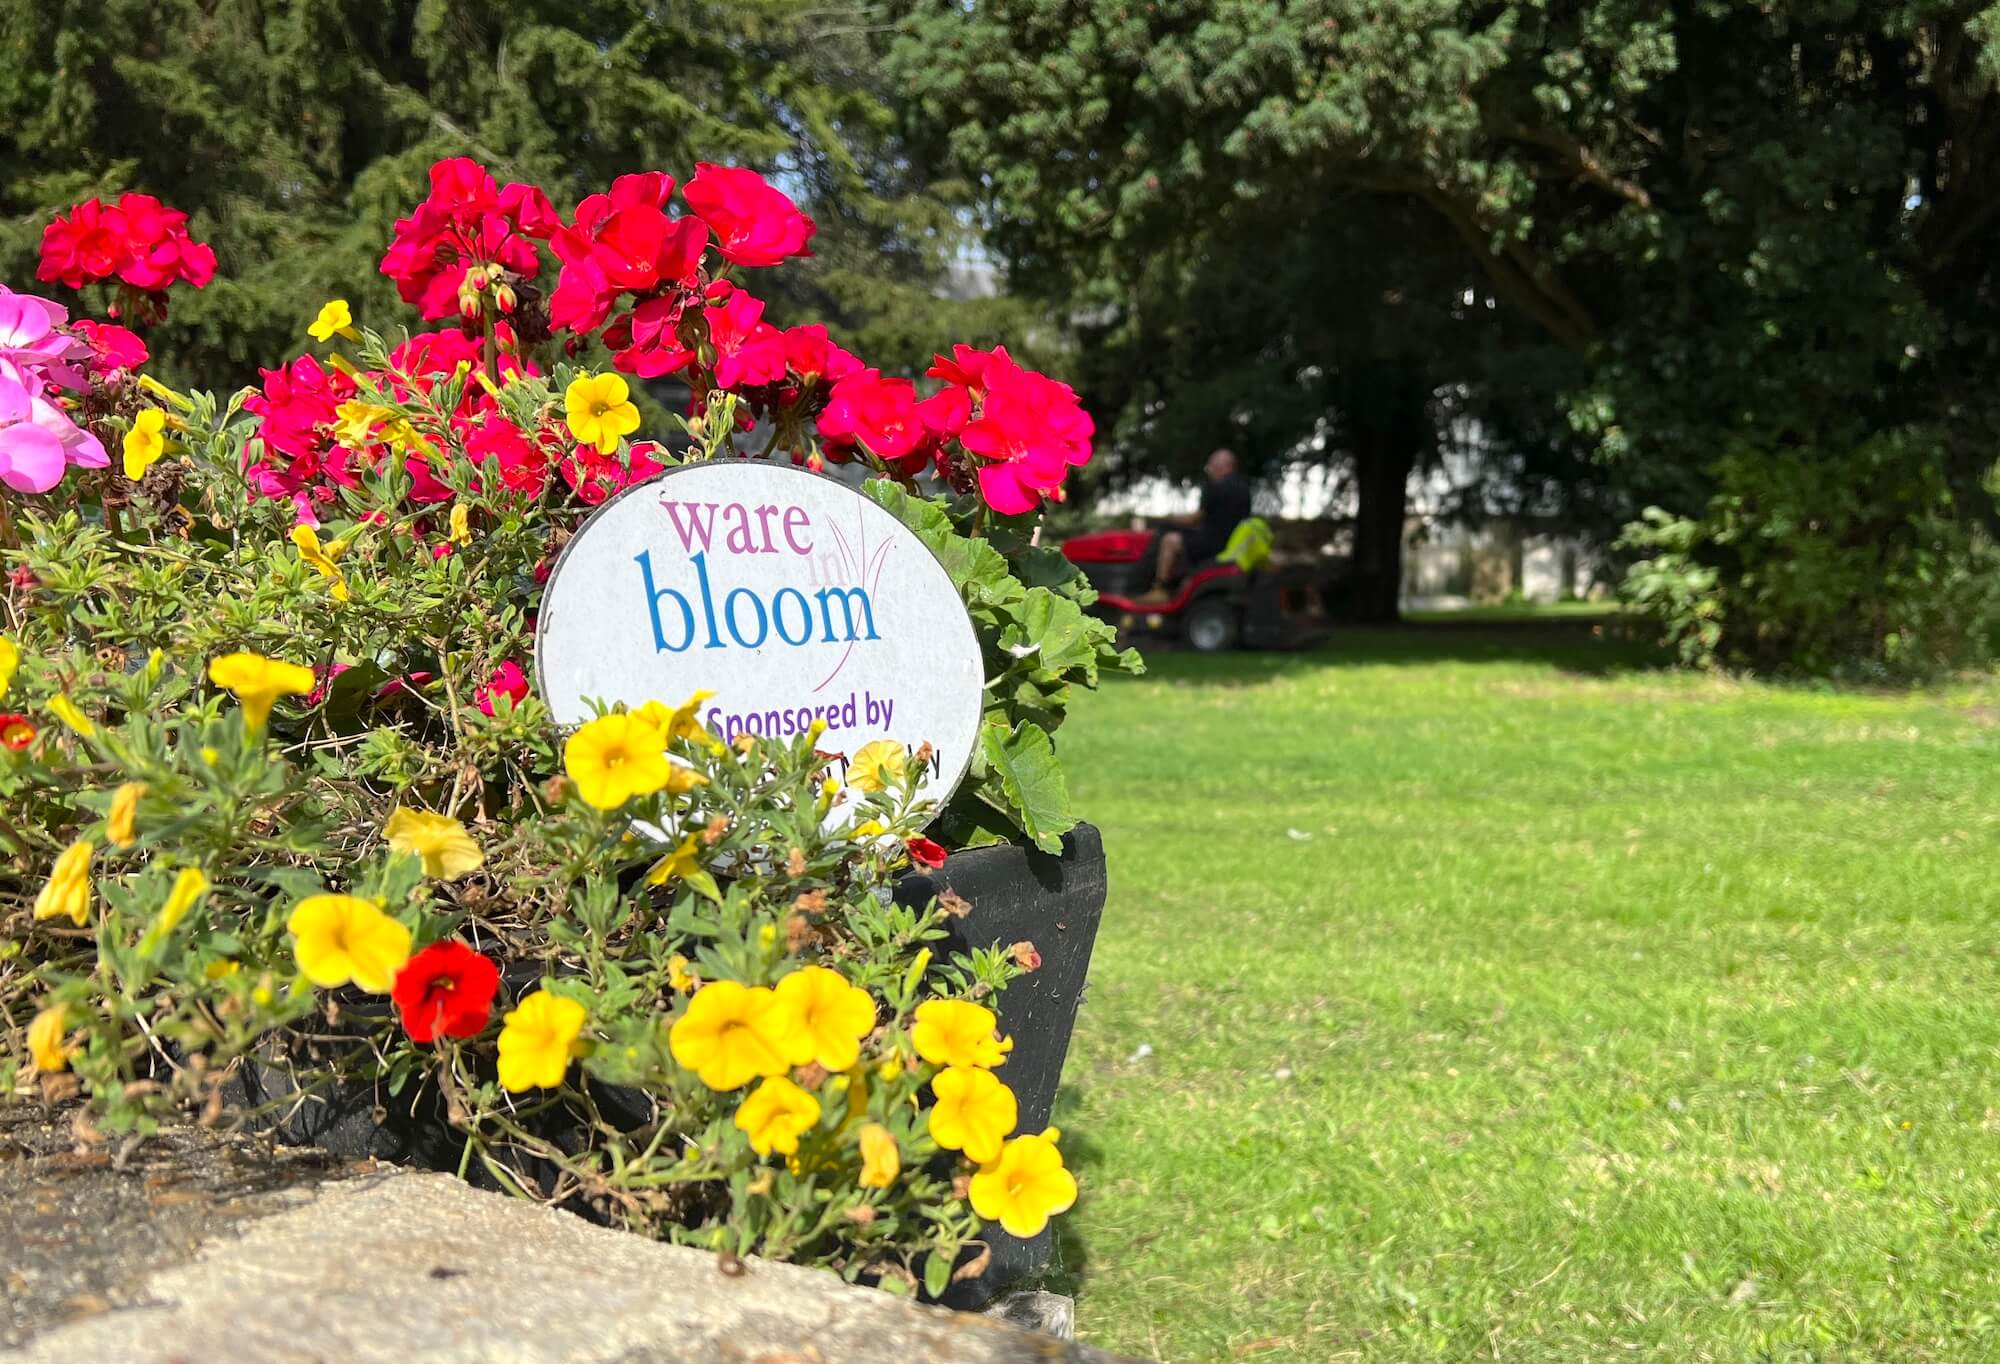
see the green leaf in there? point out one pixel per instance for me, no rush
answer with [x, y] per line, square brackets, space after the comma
[937, 1273]
[1024, 759]
[1056, 633]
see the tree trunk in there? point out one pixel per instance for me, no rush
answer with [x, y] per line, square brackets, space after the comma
[1382, 488]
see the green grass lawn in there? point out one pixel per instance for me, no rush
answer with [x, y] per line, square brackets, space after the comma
[1509, 1000]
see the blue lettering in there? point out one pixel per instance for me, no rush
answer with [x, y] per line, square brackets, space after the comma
[729, 617]
[805, 615]
[707, 601]
[845, 596]
[653, 595]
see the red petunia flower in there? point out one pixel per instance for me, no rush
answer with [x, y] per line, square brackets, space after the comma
[754, 224]
[447, 988]
[924, 852]
[16, 731]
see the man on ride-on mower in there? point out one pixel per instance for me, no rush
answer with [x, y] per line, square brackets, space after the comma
[1225, 503]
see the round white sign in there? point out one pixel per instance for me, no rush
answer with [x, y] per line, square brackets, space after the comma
[789, 596]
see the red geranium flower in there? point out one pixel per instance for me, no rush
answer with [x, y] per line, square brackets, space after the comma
[624, 242]
[748, 350]
[812, 356]
[465, 238]
[754, 224]
[508, 680]
[879, 413]
[924, 852]
[446, 988]
[594, 477]
[111, 346]
[138, 240]
[16, 731]
[1026, 430]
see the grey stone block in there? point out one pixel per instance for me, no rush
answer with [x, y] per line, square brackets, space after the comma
[407, 1267]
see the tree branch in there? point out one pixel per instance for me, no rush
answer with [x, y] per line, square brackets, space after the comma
[1516, 276]
[1583, 163]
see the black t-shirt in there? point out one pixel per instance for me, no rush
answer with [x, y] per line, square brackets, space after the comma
[1225, 505]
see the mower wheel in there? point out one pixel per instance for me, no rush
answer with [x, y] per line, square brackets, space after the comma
[1211, 627]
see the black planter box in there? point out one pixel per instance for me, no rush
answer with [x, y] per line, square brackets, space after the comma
[1016, 894]
[1022, 894]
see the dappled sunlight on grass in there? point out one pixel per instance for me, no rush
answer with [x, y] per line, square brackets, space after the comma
[1537, 1004]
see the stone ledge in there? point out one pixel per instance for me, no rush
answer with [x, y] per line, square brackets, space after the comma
[405, 1267]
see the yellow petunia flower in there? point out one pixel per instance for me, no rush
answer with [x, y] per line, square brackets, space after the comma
[682, 863]
[65, 710]
[322, 558]
[121, 823]
[680, 722]
[775, 1115]
[599, 410]
[537, 1038]
[833, 1016]
[679, 979]
[1025, 1187]
[145, 442]
[447, 850]
[878, 765]
[461, 524]
[733, 1033]
[973, 1113]
[45, 1039]
[616, 757]
[953, 1032]
[258, 681]
[355, 422]
[342, 938]
[881, 1161]
[335, 319]
[10, 661]
[68, 889]
[162, 392]
[190, 884]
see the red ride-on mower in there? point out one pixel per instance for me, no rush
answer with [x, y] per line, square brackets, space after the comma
[1217, 605]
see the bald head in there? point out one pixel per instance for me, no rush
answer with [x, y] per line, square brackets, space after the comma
[1221, 464]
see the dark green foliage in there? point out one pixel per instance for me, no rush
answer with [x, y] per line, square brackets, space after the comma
[1749, 228]
[296, 132]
